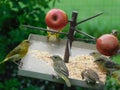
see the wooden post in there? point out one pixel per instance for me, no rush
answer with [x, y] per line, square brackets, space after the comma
[70, 36]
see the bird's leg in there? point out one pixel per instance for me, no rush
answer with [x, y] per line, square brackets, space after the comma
[91, 82]
[55, 76]
[16, 62]
[15, 58]
[87, 81]
[20, 64]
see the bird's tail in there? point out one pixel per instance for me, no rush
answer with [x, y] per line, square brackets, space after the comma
[117, 66]
[53, 37]
[118, 79]
[14, 57]
[67, 81]
[100, 81]
[4, 60]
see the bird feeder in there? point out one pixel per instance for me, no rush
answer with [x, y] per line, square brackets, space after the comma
[36, 63]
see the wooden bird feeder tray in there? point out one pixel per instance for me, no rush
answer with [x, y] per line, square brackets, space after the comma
[37, 64]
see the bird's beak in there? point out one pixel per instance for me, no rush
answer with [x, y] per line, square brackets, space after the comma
[30, 42]
[50, 57]
[94, 61]
[90, 53]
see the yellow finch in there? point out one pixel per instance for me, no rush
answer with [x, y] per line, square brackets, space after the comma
[18, 52]
[116, 75]
[52, 37]
[115, 33]
[90, 76]
[96, 55]
[61, 69]
[105, 64]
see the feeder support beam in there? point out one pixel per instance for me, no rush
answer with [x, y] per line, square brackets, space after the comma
[70, 36]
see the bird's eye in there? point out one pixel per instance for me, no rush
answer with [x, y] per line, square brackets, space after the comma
[100, 60]
[93, 52]
[55, 57]
[27, 41]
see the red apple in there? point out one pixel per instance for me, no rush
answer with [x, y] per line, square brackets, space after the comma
[56, 19]
[107, 44]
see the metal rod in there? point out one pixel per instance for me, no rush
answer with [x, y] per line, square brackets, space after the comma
[85, 34]
[81, 39]
[89, 18]
[43, 29]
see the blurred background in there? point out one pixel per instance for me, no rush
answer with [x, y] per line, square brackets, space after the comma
[14, 13]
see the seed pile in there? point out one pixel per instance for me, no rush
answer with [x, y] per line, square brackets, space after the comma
[75, 66]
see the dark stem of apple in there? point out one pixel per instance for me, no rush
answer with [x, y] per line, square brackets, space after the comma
[70, 36]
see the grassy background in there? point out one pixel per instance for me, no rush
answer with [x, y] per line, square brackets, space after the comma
[102, 24]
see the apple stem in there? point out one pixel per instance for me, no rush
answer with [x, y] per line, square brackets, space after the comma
[70, 37]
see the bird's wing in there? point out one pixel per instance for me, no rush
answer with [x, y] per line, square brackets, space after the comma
[14, 51]
[13, 57]
[64, 69]
[110, 64]
[61, 68]
[89, 75]
[82, 74]
[103, 58]
[94, 76]
[89, 80]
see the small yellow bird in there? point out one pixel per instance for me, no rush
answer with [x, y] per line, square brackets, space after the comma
[90, 76]
[115, 33]
[18, 52]
[52, 37]
[61, 69]
[105, 64]
[116, 75]
[96, 55]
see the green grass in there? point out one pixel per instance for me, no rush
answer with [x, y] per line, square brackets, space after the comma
[86, 8]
